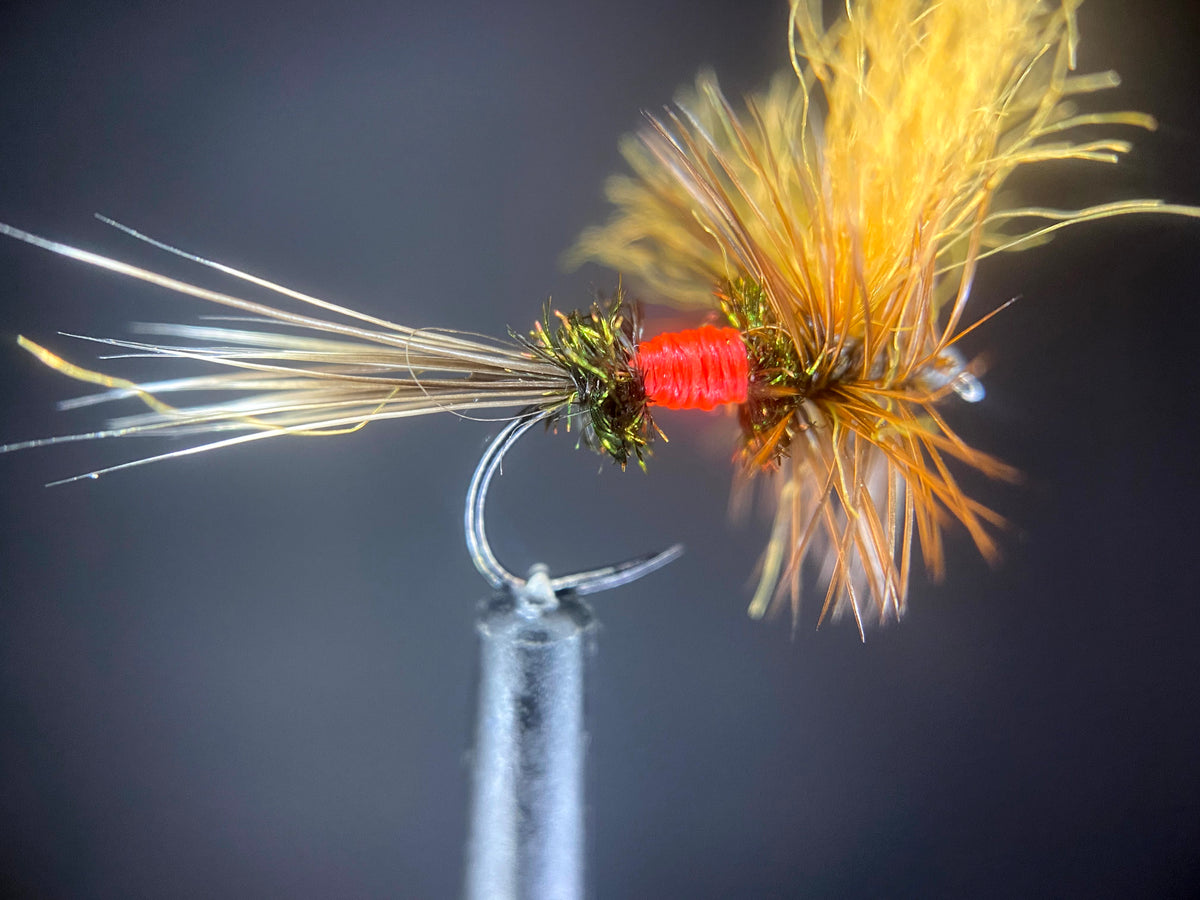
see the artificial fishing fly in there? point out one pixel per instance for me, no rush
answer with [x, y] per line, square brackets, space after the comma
[836, 224]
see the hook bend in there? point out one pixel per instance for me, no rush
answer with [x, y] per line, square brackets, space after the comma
[590, 582]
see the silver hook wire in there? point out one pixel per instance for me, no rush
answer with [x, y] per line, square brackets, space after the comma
[590, 582]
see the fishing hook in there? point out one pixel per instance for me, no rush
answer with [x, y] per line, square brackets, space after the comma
[590, 582]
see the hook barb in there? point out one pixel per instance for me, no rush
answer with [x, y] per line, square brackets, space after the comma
[590, 582]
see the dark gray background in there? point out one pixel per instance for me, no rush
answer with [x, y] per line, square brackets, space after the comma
[250, 674]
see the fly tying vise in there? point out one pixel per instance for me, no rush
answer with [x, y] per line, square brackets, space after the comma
[835, 224]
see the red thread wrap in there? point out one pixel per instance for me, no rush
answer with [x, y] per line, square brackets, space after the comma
[695, 369]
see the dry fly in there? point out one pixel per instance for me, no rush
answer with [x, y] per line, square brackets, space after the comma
[835, 221]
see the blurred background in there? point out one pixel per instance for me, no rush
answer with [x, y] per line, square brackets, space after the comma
[251, 673]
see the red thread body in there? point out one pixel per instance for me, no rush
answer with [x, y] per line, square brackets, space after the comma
[695, 369]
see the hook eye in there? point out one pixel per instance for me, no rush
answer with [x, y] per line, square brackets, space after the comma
[534, 589]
